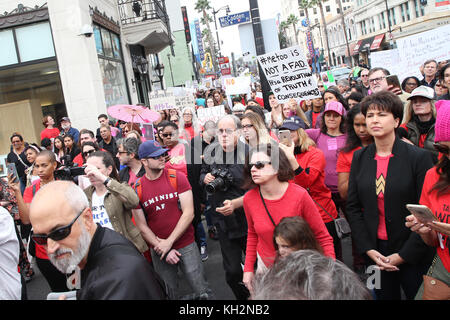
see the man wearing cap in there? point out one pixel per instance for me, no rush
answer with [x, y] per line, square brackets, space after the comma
[238, 109]
[419, 119]
[164, 217]
[66, 128]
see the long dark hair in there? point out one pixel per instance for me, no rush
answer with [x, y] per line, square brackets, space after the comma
[108, 161]
[338, 96]
[353, 141]
[63, 148]
[442, 186]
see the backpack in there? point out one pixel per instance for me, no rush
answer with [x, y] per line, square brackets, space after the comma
[172, 180]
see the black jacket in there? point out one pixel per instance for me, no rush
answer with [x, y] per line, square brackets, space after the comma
[234, 225]
[404, 181]
[115, 270]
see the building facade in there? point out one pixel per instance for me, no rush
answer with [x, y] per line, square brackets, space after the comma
[380, 23]
[75, 58]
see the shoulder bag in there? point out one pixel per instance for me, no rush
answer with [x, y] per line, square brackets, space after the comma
[434, 289]
[343, 229]
[267, 210]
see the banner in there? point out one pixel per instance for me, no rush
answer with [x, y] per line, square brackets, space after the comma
[416, 49]
[162, 100]
[212, 113]
[289, 75]
[238, 85]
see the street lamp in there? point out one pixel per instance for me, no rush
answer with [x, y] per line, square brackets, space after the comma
[227, 8]
[159, 69]
[142, 67]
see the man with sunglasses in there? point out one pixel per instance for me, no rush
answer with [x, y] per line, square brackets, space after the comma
[164, 217]
[227, 213]
[111, 267]
[127, 154]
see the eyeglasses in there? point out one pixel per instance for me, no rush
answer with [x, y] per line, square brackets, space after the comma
[247, 126]
[56, 235]
[227, 131]
[364, 75]
[88, 153]
[376, 79]
[166, 135]
[259, 164]
[441, 148]
[125, 131]
[159, 157]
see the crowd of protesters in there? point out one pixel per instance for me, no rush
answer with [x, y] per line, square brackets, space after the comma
[271, 181]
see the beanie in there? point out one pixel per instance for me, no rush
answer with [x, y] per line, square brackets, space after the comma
[442, 126]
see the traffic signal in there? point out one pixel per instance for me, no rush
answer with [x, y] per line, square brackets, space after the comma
[187, 30]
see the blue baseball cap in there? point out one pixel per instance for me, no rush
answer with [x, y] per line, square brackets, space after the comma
[150, 149]
[293, 123]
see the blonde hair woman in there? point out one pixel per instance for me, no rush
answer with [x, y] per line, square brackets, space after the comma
[292, 108]
[419, 118]
[254, 130]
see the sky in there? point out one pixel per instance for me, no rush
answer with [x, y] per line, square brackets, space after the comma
[268, 9]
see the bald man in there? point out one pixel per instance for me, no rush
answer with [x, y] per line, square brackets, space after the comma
[111, 266]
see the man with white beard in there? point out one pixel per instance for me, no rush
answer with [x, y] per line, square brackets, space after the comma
[111, 266]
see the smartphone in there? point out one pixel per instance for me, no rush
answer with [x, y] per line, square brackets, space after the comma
[285, 137]
[422, 213]
[393, 80]
[12, 170]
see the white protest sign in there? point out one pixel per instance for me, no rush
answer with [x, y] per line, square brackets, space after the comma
[416, 49]
[212, 113]
[235, 86]
[184, 101]
[390, 60]
[162, 100]
[289, 75]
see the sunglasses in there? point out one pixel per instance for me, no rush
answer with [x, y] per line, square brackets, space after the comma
[159, 157]
[56, 235]
[259, 164]
[441, 148]
[88, 153]
[247, 126]
[166, 135]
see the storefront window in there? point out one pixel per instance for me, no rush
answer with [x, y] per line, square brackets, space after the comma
[35, 42]
[111, 64]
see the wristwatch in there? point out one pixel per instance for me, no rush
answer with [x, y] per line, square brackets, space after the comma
[107, 181]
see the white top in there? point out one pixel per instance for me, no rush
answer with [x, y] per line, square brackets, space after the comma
[10, 284]
[99, 211]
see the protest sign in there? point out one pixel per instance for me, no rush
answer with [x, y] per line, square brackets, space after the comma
[184, 101]
[289, 75]
[235, 86]
[390, 60]
[162, 100]
[418, 48]
[212, 113]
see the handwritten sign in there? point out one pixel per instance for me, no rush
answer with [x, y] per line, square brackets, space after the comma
[390, 60]
[239, 85]
[162, 101]
[416, 49]
[289, 75]
[212, 113]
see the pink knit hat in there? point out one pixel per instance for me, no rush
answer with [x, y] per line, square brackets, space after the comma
[442, 126]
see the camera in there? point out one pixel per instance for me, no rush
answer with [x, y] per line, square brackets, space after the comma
[66, 160]
[223, 180]
[68, 173]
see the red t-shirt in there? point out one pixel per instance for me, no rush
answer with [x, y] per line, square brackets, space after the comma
[177, 158]
[382, 168]
[440, 206]
[49, 133]
[41, 252]
[312, 178]
[315, 115]
[344, 161]
[159, 201]
[294, 202]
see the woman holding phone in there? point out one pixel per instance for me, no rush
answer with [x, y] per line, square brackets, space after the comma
[436, 196]
[384, 177]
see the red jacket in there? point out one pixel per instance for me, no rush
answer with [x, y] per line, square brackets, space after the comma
[312, 178]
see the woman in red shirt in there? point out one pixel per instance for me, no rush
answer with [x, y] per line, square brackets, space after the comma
[45, 165]
[272, 199]
[436, 196]
[309, 165]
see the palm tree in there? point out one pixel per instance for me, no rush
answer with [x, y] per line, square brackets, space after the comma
[202, 6]
[282, 35]
[293, 20]
[318, 3]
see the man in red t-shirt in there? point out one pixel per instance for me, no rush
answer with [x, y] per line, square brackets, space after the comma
[164, 217]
